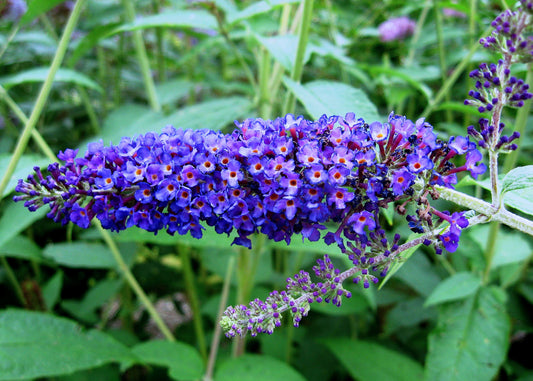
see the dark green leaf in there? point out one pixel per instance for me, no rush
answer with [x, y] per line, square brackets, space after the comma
[80, 255]
[37, 8]
[256, 368]
[400, 261]
[174, 19]
[52, 290]
[22, 170]
[16, 218]
[359, 358]
[333, 98]
[39, 74]
[22, 247]
[458, 286]
[471, 338]
[84, 310]
[34, 345]
[184, 362]
[511, 247]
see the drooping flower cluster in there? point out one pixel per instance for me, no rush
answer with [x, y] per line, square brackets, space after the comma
[396, 28]
[264, 316]
[279, 177]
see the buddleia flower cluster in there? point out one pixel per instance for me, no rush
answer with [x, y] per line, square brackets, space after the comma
[275, 177]
[495, 87]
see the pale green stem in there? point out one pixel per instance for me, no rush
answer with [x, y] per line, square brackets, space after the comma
[264, 77]
[12, 34]
[297, 71]
[442, 52]
[216, 335]
[13, 280]
[416, 35]
[490, 249]
[142, 57]
[495, 214]
[24, 119]
[223, 31]
[159, 33]
[43, 94]
[190, 287]
[81, 91]
[452, 78]
[133, 282]
[278, 70]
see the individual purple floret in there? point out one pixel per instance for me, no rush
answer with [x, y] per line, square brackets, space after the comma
[396, 28]
[279, 177]
[13, 10]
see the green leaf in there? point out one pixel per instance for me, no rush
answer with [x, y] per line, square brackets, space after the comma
[131, 119]
[511, 247]
[458, 286]
[471, 338]
[173, 90]
[184, 361]
[15, 219]
[520, 199]
[174, 19]
[359, 359]
[257, 8]
[518, 178]
[283, 49]
[22, 170]
[256, 368]
[84, 310]
[181, 19]
[80, 255]
[332, 98]
[37, 8]
[22, 247]
[39, 74]
[407, 313]
[52, 290]
[400, 261]
[35, 344]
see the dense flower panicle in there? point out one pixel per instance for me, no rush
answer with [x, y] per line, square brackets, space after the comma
[494, 85]
[396, 28]
[507, 36]
[13, 10]
[279, 177]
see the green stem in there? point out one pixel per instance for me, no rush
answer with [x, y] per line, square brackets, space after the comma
[142, 57]
[495, 214]
[13, 280]
[43, 94]
[216, 335]
[223, 31]
[128, 275]
[416, 35]
[93, 119]
[296, 75]
[24, 119]
[102, 74]
[12, 34]
[520, 126]
[159, 33]
[452, 78]
[491, 249]
[264, 77]
[442, 52]
[190, 287]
